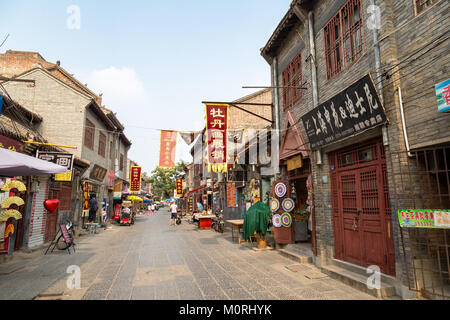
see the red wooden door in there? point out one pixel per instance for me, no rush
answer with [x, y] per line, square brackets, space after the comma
[361, 213]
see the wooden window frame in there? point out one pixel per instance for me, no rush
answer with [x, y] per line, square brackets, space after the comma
[289, 76]
[344, 38]
[89, 135]
[416, 11]
[102, 144]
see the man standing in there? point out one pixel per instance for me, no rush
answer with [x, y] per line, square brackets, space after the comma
[174, 210]
[93, 207]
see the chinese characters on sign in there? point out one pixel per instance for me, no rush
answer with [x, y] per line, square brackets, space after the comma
[352, 111]
[443, 96]
[424, 218]
[98, 173]
[180, 188]
[59, 158]
[111, 176]
[135, 179]
[216, 127]
[10, 144]
[86, 198]
[231, 195]
[167, 149]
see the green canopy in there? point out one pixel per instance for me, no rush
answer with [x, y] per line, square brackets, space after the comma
[256, 219]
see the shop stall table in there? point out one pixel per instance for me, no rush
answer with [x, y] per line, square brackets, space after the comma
[205, 221]
[236, 224]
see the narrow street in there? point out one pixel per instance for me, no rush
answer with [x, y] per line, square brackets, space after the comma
[150, 261]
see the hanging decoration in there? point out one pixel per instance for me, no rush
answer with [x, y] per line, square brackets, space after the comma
[274, 205]
[51, 205]
[216, 131]
[288, 204]
[280, 190]
[12, 201]
[189, 137]
[14, 184]
[12, 213]
[276, 220]
[167, 149]
[286, 220]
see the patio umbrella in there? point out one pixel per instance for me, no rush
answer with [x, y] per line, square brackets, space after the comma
[14, 164]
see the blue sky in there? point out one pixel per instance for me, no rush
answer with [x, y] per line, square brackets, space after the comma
[154, 61]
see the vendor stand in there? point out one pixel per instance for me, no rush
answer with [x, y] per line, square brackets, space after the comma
[236, 224]
[205, 220]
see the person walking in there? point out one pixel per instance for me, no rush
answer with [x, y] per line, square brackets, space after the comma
[93, 207]
[174, 213]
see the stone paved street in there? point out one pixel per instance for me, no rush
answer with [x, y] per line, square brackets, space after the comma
[150, 261]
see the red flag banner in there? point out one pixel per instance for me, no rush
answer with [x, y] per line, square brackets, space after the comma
[168, 149]
[216, 128]
[135, 179]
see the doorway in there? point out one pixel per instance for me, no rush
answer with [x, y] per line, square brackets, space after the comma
[361, 208]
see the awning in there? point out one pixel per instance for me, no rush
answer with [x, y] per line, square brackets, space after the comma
[14, 164]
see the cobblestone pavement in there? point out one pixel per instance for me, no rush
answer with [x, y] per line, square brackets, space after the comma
[150, 261]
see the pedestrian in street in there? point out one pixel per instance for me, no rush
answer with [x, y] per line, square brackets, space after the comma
[93, 207]
[153, 209]
[174, 213]
[149, 209]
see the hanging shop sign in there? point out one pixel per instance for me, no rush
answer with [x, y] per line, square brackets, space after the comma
[135, 179]
[98, 173]
[216, 130]
[443, 96]
[85, 198]
[180, 188]
[352, 111]
[424, 218]
[59, 158]
[1, 104]
[167, 149]
[294, 163]
[11, 144]
[231, 195]
[111, 177]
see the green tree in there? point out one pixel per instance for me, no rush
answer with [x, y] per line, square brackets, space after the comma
[163, 180]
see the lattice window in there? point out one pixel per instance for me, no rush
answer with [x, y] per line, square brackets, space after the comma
[292, 79]
[343, 36]
[89, 135]
[102, 145]
[422, 5]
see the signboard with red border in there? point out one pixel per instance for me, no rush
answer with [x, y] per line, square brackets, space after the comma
[135, 179]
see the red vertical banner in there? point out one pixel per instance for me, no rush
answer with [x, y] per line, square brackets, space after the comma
[216, 130]
[86, 198]
[180, 188]
[135, 179]
[167, 149]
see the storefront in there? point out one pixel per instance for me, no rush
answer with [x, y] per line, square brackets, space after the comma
[352, 176]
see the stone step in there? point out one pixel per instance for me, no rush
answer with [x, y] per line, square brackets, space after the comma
[362, 271]
[359, 282]
[295, 256]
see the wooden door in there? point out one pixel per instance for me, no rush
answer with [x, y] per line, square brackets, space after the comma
[361, 212]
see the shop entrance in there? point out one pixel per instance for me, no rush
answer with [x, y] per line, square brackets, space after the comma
[361, 209]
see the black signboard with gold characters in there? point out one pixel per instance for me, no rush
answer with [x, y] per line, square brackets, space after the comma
[352, 111]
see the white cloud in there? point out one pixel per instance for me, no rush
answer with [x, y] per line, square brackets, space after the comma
[118, 85]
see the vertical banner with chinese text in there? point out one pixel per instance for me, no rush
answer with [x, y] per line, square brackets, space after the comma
[167, 149]
[85, 198]
[135, 180]
[216, 130]
[180, 188]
